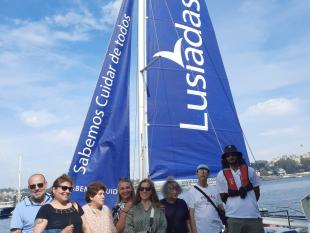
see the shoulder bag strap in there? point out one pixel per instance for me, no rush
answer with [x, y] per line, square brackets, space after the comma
[151, 218]
[209, 199]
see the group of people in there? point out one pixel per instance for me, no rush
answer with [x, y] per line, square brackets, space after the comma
[236, 193]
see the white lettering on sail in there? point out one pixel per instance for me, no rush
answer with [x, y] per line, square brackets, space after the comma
[105, 86]
[193, 53]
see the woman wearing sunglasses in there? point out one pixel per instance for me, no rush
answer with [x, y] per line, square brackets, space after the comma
[146, 216]
[61, 215]
[97, 215]
[125, 199]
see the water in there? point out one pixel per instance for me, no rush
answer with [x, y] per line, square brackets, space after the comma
[284, 194]
[5, 225]
[275, 195]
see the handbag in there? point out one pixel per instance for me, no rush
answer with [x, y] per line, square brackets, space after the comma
[220, 212]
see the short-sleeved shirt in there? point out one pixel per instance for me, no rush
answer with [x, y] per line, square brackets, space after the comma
[25, 212]
[236, 207]
[60, 218]
[206, 217]
[177, 214]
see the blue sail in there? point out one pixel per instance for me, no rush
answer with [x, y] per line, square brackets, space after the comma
[191, 114]
[102, 152]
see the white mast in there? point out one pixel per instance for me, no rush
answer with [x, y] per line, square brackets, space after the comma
[142, 100]
[19, 174]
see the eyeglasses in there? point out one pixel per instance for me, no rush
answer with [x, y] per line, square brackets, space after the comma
[33, 186]
[65, 188]
[145, 189]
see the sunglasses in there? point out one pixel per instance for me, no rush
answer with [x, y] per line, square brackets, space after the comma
[145, 189]
[33, 186]
[65, 188]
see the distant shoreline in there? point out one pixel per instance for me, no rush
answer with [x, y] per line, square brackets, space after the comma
[286, 176]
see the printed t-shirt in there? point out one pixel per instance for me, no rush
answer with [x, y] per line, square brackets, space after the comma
[206, 216]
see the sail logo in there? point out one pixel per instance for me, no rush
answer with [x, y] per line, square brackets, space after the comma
[193, 64]
[175, 56]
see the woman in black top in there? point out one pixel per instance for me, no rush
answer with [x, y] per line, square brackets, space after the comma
[176, 210]
[61, 214]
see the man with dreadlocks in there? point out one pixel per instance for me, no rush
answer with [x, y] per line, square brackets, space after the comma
[238, 186]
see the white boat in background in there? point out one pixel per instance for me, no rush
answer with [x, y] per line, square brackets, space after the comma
[291, 176]
[305, 203]
[6, 209]
[275, 222]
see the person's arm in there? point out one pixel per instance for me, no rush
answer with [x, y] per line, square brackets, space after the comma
[188, 225]
[120, 225]
[16, 230]
[162, 228]
[224, 197]
[221, 186]
[192, 220]
[221, 207]
[16, 224]
[255, 180]
[40, 225]
[112, 227]
[257, 192]
[129, 225]
[85, 225]
[188, 222]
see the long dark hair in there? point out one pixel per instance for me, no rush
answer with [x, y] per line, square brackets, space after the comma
[225, 164]
[154, 197]
[125, 180]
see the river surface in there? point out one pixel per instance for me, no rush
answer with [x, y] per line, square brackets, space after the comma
[283, 194]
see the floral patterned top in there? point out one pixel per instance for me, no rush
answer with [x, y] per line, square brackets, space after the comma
[99, 222]
[116, 211]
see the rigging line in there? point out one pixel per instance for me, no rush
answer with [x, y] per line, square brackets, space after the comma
[212, 125]
[178, 36]
[152, 17]
[148, 65]
[158, 72]
[160, 69]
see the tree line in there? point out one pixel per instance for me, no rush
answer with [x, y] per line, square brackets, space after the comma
[288, 164]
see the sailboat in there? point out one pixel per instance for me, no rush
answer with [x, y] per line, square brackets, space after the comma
[186, 112]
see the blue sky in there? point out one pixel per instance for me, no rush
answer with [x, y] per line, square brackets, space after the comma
[51, 54]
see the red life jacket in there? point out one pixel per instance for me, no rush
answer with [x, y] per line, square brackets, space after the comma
[233, 190]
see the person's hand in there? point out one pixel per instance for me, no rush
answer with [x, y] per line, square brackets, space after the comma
[68, 229]
[128, 205]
